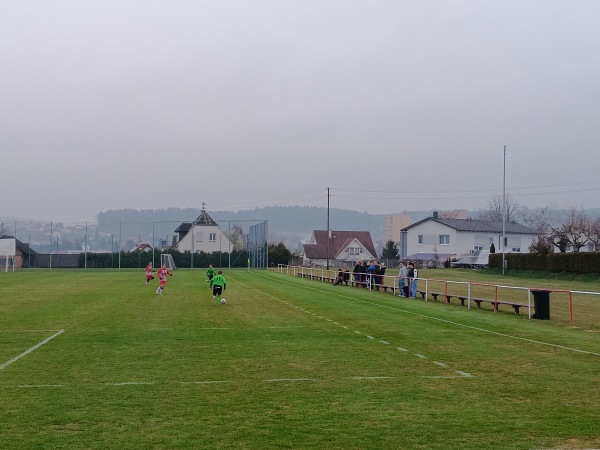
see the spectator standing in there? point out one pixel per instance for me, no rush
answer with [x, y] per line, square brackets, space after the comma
[412, 275]
[402, 279]
[356, 272]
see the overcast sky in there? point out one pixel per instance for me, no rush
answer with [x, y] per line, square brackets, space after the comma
[394, 105]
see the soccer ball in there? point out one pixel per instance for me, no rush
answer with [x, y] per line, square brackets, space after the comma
[223, 301]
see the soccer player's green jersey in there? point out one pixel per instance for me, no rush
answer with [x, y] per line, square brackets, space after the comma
[218, 280]
[210, 272]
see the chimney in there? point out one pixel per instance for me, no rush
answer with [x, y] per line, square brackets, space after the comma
[435, 215]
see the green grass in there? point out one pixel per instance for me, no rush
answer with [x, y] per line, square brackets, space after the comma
[287, 363]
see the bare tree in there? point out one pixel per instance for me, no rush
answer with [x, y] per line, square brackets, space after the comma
[495, 209]
[574, 230]
[594, 233]
[237, 237]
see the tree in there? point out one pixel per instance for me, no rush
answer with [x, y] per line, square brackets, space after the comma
[390, 250]
[237, 237]
[573, 232]
[492, 248]
[494, 211]
[541, 246]
[279, 254]
[594, 233]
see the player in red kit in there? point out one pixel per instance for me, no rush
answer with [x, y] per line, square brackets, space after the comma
[162, 273]
[149, 275]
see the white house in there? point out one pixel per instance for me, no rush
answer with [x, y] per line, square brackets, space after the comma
[203, 235]
[434, 235]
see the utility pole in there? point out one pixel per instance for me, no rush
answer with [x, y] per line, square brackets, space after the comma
[503, 210]
[328, 232]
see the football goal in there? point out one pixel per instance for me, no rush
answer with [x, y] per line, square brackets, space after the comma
[167, 260]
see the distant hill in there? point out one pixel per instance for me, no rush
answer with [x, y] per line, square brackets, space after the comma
[292, 225]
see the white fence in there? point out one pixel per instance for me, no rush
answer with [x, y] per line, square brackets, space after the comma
[532, 298]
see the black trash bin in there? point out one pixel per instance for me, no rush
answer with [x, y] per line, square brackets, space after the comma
[541, 302]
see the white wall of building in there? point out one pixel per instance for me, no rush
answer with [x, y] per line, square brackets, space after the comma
[205, 239]
[461, 242]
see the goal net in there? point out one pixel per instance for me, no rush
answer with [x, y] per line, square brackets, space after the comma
[167, 260]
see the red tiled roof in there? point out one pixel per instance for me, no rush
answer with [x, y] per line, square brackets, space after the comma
[339, 241]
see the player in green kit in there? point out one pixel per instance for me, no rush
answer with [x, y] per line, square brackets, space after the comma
[218, 285]
[210, 273]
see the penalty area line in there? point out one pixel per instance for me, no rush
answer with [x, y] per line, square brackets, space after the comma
[28, 351]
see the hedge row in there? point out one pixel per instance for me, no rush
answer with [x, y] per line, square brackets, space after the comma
[586, 262]
[140, 260]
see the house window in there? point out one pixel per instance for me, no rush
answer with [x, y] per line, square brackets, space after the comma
[420, 239]
[444, 239]
[212, 237]
[516, 249]
[350, 250]
[478, 247]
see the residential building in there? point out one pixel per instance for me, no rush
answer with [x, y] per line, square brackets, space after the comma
[202, 235]
[437, 236]
[393, 225]
[340, 248]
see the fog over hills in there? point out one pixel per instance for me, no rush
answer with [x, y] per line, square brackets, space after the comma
[292, 225]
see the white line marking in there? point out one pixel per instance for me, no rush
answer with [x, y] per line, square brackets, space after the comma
[373, 378]
[441, 364]
[28, 351]
[444, 377]
[205, 382]
[291, 380]
[482, 330]
[385, 342]
[465, 374]
[131, 383]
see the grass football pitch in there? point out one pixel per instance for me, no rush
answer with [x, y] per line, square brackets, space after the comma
[98, 360]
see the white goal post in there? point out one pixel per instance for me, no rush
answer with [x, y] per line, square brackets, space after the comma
[167, 260]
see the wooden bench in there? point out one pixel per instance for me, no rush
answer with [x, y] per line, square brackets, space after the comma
[515, 305]
[382, 286]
